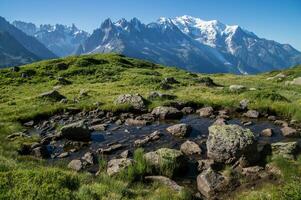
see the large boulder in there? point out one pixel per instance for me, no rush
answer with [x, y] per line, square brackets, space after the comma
[209, 183]
[134, 100]
[52, 95]
[117, 165]
[179, 130]
[77, 131]
[230, 143]
[190, 147]
[164, 112]
[166, 161]
[285, 149]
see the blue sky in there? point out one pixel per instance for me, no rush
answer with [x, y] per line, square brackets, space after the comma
[278, 20]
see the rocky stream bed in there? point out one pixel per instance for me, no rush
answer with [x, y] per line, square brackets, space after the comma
[198, 142]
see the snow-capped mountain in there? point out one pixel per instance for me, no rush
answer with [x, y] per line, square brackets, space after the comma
[192, 44]
[161, 42]
[240, 47]
[60, 39]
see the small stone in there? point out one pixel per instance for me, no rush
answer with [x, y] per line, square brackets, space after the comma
[165, 181]
[187, 110]
[220, 122]
[281, 123]
[272, 118]
[52, 95]
[190, 147]
[117, 165]
[164, 112]
[209, 183]
[251, 114]
[125, 154]
[63, 155]
[76, 165]
[285, 149]
[267, 132]
[89, 158]
[179, 130]
[289, 132]
[205, 112]
[243, 104]
[237, 88]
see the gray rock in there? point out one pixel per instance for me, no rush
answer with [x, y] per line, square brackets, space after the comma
[164, 112]
[166, 158]
[179, 130]
[285, 149]
[190, 147]
[76, 165]
[41, 152]
[125, 154]
[135, 100]
[220, 122]
[136, 122]
[209, 183]
[187, 110]
[52, 95]
[77, 131]
[267, 132]
[205, 164]
[165, 181]
[110, 149]
[99, 127]
[229, 143]
[205, 112]
[243, 104]
[237, 88]
[289, 132]
[251, 114]
[88, 158]
[152, 137]
[63, 155]
[117, 165]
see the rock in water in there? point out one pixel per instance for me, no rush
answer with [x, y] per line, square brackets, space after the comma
[267, 132]
[164, 112]
[166, 161]
[117, 165]
[289, 132]
[228, 143]
[134, 100]
[251, 114]
[189, 148]
[205, 112]
[52, 95]
[209, 183]
[179, 130]
[77, 131]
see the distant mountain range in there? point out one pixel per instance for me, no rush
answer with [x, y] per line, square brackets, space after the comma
[60, 39]
[18, 48]
[186, 42]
